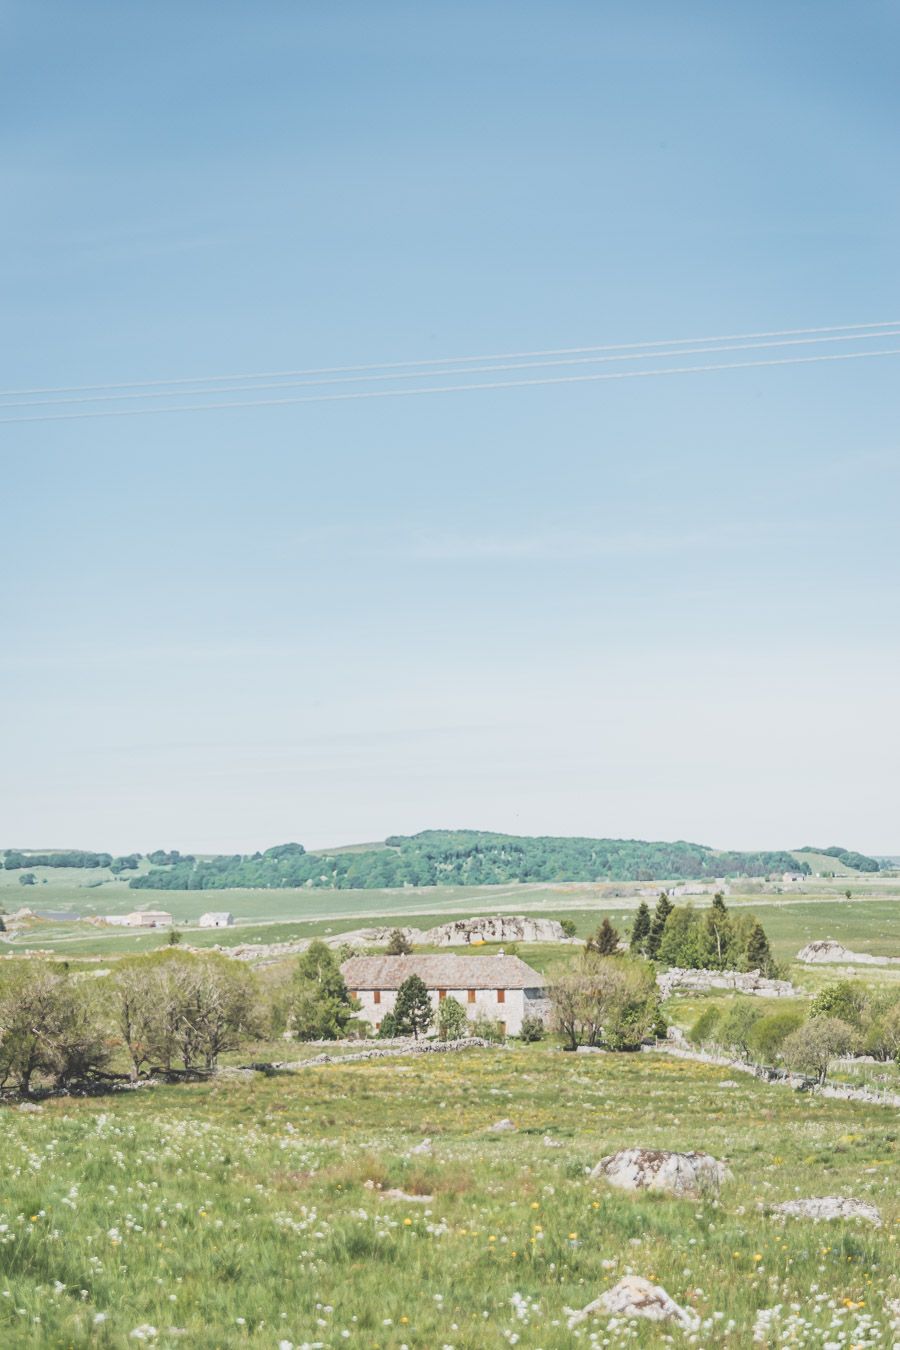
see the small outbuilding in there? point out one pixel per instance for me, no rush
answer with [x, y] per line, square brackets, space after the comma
[216, 919]
[149, 918]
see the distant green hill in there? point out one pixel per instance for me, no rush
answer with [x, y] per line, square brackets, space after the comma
[463, 858]
[840, 861]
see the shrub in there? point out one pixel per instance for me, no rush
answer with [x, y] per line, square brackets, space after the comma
[569, 927]
[733, 1032]
[532, 1029]
[388, 1029]
[769, 1034]
[488, 1028]
[398, 944]
[704, 1031]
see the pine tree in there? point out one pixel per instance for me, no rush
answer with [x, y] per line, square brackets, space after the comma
[663, 909]
[412, 1011]
[605, 941]
[640, 928]
[759, 953]
[398, 944]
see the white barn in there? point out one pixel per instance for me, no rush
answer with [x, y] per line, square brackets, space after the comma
[216, 919]
[500, 987]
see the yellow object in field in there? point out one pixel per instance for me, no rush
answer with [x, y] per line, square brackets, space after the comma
[477, 942]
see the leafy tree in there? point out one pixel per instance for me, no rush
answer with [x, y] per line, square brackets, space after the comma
[734, 1031]
[412, 1011]
[605, 942]
[569, 927]
[684, 940]
[663, 909]
[452, 1021]
[704, 1030]
[322, 1007]
[640, 928]
[612, 997]
[843, 999]
[398, 944]
[817, 1043]
[768, 1035]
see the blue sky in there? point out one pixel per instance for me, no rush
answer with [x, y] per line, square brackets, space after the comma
[661, 608]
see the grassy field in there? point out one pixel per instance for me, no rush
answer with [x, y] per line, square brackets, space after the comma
[254, 1211]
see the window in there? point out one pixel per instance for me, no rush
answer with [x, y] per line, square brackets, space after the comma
[442, 994]
[376, 997]
[352, 993]
[471, 995]
[377, 1026]
[501, 995]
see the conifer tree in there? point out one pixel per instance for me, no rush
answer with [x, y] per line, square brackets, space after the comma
[759, 953]
[640, 928]
[412, 1011]
[663, 909]
[605, 942]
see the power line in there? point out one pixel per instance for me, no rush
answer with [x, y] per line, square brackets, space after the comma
[444, 360]
[472, 370]
[455, 388]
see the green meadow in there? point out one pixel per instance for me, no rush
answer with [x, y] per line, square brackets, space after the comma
[255, 1210]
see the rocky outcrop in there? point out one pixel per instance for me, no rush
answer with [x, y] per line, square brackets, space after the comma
[495, 928]
[742, 981]
[828, 953]
[655, 1169]
[827, 1207]
[636, 1297]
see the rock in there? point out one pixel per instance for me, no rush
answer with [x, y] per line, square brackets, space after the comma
[828, 1207]
[424, 1147]
[501, 1126]
[729, 1083]
[636, 1297]
[551, 1143]
[835, 953]
[30, 1106]
[742, 981]
[634, 1169]
[495, 928]
[396, 1194]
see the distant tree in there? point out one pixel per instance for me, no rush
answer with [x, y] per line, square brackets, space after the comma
[605, 942]
[569, 927]
[759, 953]
[849, 894]
[843, 999]
[663, 909]
[640, 928]
[322, 1007]
[2, 925]
[817, 1043]
[174, 937]
[719, 934]
[398, 944]
[452, 1021]
[734, 1030]
[412, 1011]
[27, 879]
[768, 1035]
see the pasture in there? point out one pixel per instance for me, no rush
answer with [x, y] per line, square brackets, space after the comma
[254, 1211]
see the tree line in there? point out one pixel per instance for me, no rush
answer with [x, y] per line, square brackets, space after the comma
[713, 939]
[461, 858]
[843, 1019]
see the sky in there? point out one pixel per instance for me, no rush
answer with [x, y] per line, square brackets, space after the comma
[655, 608]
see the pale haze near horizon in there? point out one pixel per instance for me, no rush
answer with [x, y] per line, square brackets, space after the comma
[661, 609]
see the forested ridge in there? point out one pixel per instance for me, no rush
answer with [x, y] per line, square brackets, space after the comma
[464, 858]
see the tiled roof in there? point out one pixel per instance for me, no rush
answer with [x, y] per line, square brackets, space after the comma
[440, 972]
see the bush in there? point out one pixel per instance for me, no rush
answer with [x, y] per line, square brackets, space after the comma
[388, 1029]
[569, 927]
[733, 1032]
[705, 1029]
[532, 1029]
[768, 1035]
[488, 1029]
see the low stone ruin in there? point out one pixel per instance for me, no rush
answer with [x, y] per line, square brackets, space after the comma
[741, 981]
[636, 1297]
[827, 1207]
[655, 1169]
[828, 953]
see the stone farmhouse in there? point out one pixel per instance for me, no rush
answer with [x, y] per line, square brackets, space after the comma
[502, 988]
[216, 919]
